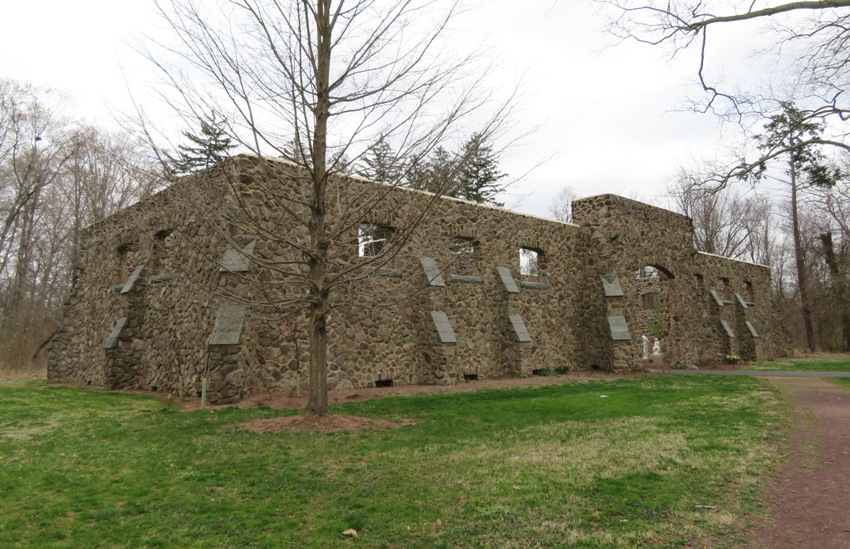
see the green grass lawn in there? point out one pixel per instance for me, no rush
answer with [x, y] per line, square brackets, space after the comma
[815, 364]
[656, 462]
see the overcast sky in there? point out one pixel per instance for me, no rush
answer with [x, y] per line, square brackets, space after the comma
[606, 118]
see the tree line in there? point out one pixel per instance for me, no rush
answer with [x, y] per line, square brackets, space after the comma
[57, 176]
[787, 209]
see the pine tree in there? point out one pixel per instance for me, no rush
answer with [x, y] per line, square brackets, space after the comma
[479, 177]
[204, 150]
[796, 135]
[380, 164]
[472, 174]
[435, 174]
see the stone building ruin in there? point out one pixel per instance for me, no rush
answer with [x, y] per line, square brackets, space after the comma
[171, 290]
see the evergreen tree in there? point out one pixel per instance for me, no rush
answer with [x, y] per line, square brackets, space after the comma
[472, 174]
[381, 164]
[337, 162]
[441, 173]
[796, 135]
[435, 174]
[479, 177]
[293, 153]
[204, 150]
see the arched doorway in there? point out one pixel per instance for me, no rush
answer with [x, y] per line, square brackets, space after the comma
[651, 308]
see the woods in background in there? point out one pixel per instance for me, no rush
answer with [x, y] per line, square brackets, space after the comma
[57, 176]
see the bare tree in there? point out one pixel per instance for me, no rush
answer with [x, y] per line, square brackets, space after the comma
[56, 177]
[725, 222]
[562, 208]
[792, 136]
[318, 82]
[108, 172]
[832, 207]
[34, 148]
[810, 36]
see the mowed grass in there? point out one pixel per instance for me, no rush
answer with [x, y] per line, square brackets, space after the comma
[647, 462]
[835, 363]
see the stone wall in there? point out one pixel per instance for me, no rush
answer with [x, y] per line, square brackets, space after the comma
[208, 278]
[630, 235]
[168, 314]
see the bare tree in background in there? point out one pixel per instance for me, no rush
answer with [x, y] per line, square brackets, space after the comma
[810, 43]
[34, 147]
[56, 177]
[108, 172]
[725, 223]
[833, 205]
[317, 82]
[562, 208]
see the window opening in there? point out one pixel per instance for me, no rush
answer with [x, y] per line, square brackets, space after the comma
[699, 280]
[724, 289]
[749, 292]
[372, 239]
[651, 301]
[530, 263]
[125, 258]
[647, 271]
[649, 287]
[463, 252]
[162, 244]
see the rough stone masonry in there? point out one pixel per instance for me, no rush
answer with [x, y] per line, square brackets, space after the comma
[206, 279]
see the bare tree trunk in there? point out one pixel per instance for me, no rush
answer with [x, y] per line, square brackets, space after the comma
[18, 307]
[839, 288]
[799, 259]
[392, 82]
[317, 400]
[317, 403]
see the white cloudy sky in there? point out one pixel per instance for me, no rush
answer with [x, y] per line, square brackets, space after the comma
[607, 117]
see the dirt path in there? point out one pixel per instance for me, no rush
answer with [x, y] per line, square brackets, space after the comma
[809, 505]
